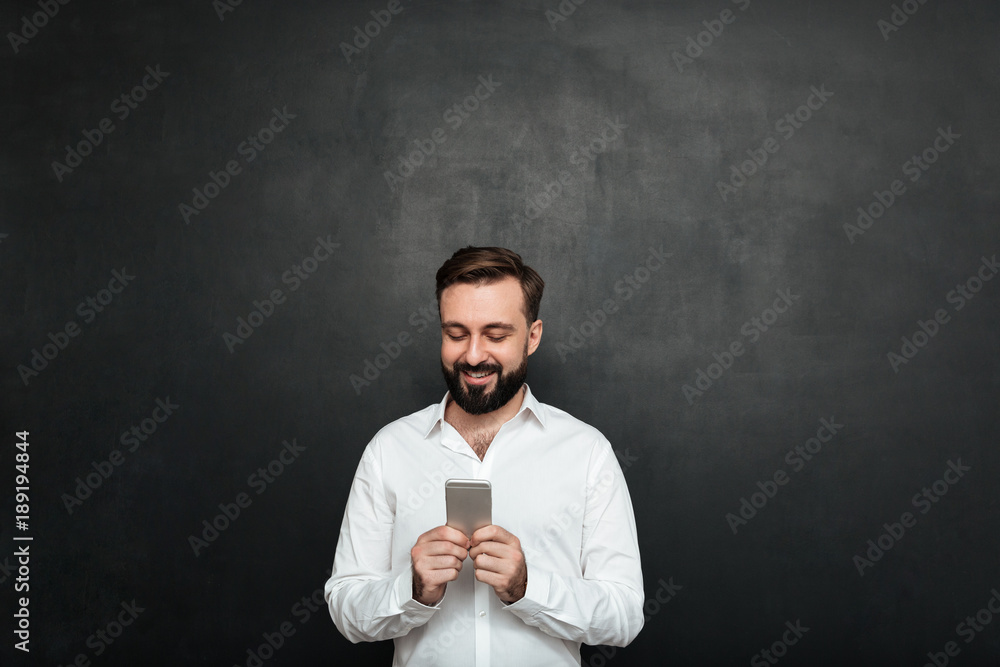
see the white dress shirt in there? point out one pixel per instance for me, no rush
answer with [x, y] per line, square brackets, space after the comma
[556, 485]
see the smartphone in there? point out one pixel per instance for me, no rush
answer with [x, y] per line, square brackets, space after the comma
[469, 504]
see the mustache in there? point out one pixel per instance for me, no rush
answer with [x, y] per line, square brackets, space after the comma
[479, 368]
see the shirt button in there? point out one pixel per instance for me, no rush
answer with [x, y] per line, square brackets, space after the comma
[482, 614]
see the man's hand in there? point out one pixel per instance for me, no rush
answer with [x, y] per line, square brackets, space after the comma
[499, 562]
[437, 559]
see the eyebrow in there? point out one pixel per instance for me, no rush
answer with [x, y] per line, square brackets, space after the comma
[492, 325]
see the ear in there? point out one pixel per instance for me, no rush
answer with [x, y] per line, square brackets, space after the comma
[534, 336]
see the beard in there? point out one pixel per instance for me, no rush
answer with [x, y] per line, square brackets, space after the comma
[474, 399]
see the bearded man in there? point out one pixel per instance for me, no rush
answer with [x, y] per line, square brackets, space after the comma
[559, 567]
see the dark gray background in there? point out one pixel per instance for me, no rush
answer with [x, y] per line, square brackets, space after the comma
[654, 186]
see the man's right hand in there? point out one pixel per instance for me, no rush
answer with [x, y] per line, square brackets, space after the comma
[437, 559]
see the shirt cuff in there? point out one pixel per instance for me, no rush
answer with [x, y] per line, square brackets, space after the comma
[536, 594]
[403, 592]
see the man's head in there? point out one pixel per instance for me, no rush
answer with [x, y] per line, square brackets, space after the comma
[488, 301]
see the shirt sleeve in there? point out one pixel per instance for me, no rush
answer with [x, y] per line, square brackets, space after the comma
[367, 600]
[604, 606]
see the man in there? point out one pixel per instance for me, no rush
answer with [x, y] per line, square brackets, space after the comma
[560, 567]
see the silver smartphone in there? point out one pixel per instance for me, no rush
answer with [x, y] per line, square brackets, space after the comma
[469, 504]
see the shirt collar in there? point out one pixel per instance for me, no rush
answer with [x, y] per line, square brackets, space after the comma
[529, 402]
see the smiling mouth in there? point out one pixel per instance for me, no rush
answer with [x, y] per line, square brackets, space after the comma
[478, 378]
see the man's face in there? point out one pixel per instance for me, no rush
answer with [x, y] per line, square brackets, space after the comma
[485, 343]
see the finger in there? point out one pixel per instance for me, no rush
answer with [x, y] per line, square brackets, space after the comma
[452, 535]
[493, 564]
[481, 549]
[439, 533]
[485, 534]
[430, 536]
[437, 578]
[485, 562]
[498, 549]
[431, 563]
[490, 578]
[443, 548]
[493, 534]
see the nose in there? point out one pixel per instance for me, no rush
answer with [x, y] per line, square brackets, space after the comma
[476, 353]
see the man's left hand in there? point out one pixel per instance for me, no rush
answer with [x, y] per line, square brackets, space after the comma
[499, 562]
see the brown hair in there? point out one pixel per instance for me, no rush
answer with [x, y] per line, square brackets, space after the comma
[484, 266]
